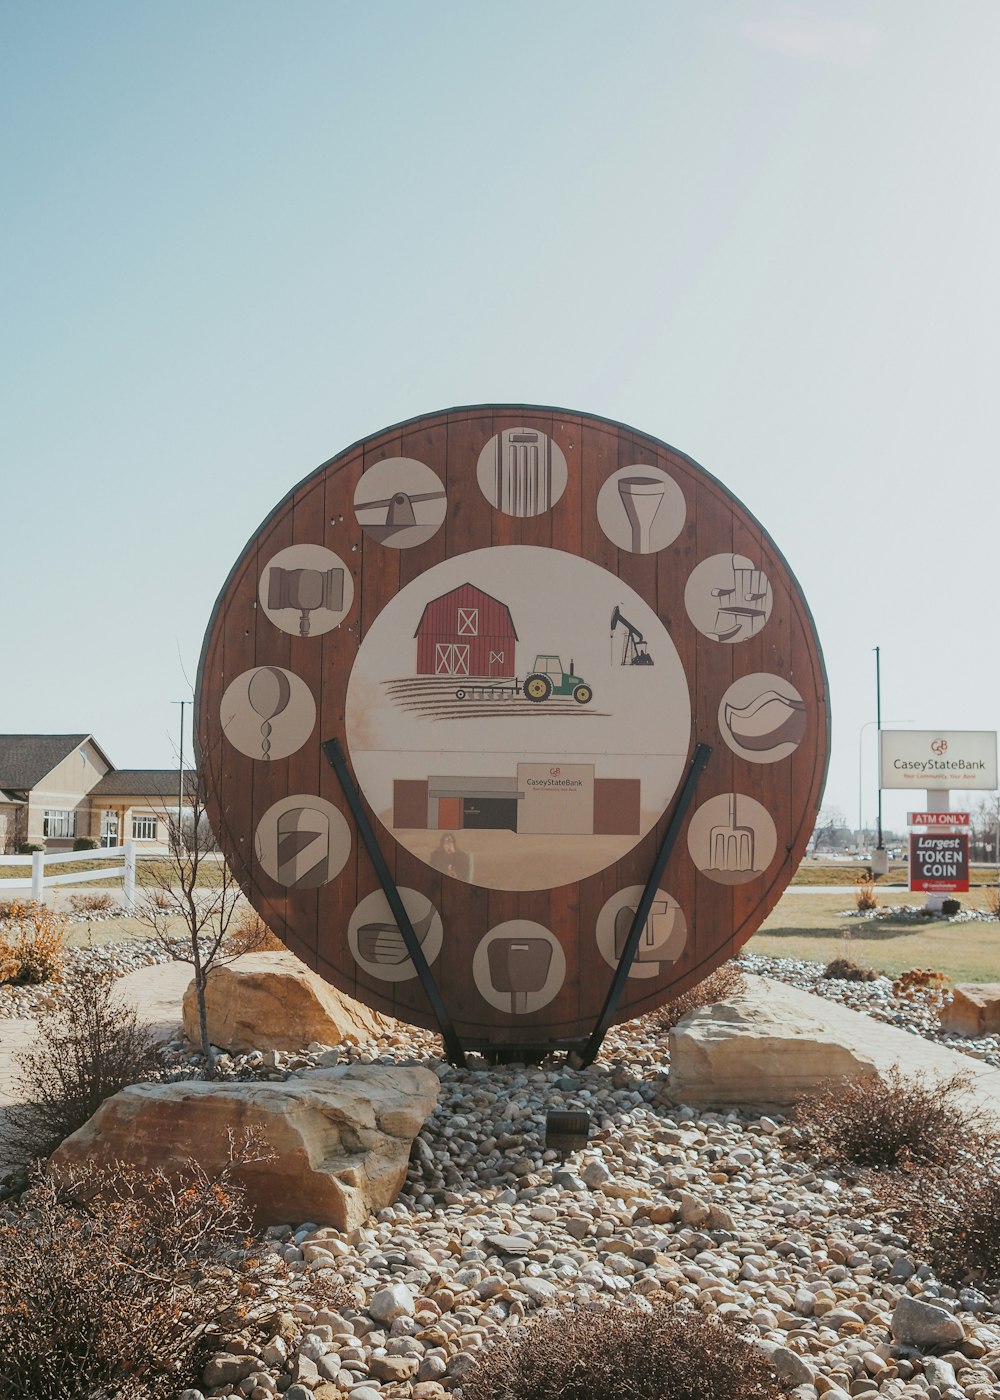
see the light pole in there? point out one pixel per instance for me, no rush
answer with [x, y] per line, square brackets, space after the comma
[861, 734]
[878, 723]
[180, 775]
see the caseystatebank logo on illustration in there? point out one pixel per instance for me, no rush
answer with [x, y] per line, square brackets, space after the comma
[938, 759]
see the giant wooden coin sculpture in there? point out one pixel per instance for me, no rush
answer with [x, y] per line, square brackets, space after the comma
[514, 721]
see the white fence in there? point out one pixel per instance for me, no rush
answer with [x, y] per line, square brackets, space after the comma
[40, 882]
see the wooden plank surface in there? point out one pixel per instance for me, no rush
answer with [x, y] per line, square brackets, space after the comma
[719, 916]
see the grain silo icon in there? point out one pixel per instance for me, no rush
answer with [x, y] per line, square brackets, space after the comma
[522, 472]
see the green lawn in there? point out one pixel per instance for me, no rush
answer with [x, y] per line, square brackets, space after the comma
[153, 871]
[123, 930]
[814, 927]
[848, 872]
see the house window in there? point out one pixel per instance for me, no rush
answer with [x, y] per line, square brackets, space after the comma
[468, 622]
[58, 824]
[143, 828]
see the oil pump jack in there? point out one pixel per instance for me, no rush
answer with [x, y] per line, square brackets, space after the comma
[635, 651]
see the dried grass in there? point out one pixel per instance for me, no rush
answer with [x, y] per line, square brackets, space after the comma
[846, 970]
[91, 903]
[864, 894]
[250, 934]
[725, 982]
[32, 937]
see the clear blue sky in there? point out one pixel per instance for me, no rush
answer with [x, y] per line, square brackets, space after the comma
[238, 235]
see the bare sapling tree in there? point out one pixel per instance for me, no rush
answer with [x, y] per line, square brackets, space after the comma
[190, 903]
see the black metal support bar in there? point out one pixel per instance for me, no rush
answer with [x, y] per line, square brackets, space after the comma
[337, 761]
[698, 761]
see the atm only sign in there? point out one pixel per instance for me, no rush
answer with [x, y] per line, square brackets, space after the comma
[939, 861]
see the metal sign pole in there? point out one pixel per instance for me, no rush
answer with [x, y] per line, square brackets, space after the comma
[337, 761]
[698, 761]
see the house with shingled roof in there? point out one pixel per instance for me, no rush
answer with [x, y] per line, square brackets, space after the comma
[56, 788]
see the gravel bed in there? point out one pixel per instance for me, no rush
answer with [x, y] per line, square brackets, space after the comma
[719, 1210]
[115, 958]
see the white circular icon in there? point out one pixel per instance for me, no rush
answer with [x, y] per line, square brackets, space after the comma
[306, 590]
[376, 942]
[732, 839]
[519, 967]
[267, 713]
[400, 502]
[762, 718]
[663, 937]
[302, 842]
[641, 509]
[522, 472]
[728, 598]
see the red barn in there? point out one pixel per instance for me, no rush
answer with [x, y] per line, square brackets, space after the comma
[466, 633]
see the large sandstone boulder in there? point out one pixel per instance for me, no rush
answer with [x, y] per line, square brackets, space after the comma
[974, 1009]
[766, 1047]
[341, 1137]
[272, 1001]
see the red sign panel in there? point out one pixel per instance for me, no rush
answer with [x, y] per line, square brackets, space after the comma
[937, 819]
[939, 862]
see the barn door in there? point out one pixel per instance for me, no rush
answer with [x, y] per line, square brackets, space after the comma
[451, 659]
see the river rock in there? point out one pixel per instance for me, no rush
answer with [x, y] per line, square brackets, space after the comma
[974, 1009]
[919, 1324]
[768, 1045]
[341, 1138]
[272, 1001]
[392, 1302]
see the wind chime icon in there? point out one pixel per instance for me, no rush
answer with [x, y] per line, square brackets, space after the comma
[269, 692]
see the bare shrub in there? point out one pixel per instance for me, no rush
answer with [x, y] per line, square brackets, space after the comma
[191, 905]
[992, 896]
[629, 1352]
[89, 1046]
[864, 894]
[923, 984]
[953, 1217]
[845, 970]
[98, 903]
[892, 1121]
[31, 943]
[109, 1283]
[250, 934]
[725, 982]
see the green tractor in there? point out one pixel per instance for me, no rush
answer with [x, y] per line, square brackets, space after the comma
[547, 677]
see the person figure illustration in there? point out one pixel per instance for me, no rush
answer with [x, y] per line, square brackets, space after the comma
[450, 860]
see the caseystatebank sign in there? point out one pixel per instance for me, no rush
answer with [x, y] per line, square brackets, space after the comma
[938, 759]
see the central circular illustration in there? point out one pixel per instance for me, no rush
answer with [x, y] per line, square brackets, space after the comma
[494, 730]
